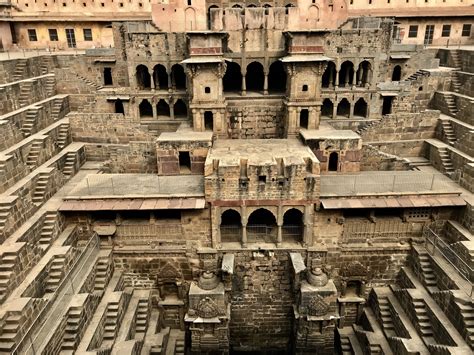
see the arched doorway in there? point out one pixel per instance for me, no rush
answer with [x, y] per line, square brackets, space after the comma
[397, 73]
[333, 161]
[143, 77]
[208, 121]
[327, 108]
[364, 73]
[119, 107]
[180, 109]
[162, 109]
[344, 108]
[304, 118]
[160, 76]
[232, 78]
[329, 76]
[360, 108]
[231, 227]
[209, 16]
[292, 230]
[108, 76]
[145, 109]
[178, 77]
[277, 77]
[346, 74]
[254, 78]
[262, 227]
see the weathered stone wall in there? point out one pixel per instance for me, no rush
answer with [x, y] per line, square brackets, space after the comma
[374, 159]
[136, 157]
[34, 66]
[106, 128]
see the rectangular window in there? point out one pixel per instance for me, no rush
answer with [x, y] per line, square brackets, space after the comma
[32, 35]
[446, 31]
[53, 34]
[87, 34]
[466, 30]
[413, 31]
[71, 38]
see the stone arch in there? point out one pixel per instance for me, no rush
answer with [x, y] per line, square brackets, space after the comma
[333, 161]
[344, 108]
[180, 109]
[397, 73]
[190, 19]
[162, 108]
[262, 226]
[360, 108]
[327, 109]
[346, 74]
[277, 77]
[364, 73]
[237, 6]
[145, 109]
[230, 226]
[143, 77]
[160, 76]
[313, 12]
[254, 77]
[329, 76]
[178, 77]
[209, 15]
[232, 80]
[293, 225]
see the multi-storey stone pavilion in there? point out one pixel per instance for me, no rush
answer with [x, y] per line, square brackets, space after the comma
[232, 178]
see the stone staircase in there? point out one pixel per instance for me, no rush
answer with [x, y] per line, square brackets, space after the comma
[366, 127]
[34, 153]
[69, 165]
[56, 109]
[142, 316]
[451, 103]
[455, 83]
[55, 273]
[10, 330]
[101, 276]
[72, 325]
[47, 230]
[448, 167]
[467, 315]
[50, 86]
[63, 135]
[456, 59]
[89, 82]
[41, 187]
[20, 68]
[4, 213]
[30, 121]
[25, 93]
[419, 73]
[429, 278]
[46, 64]
[7, 265]
[111, 326]
[448, 132]
[386, 317]
[424, 325]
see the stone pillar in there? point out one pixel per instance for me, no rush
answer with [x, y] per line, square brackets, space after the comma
[152, 80]
[331, 77]
[243, 217]
[354, 79]
[265, 84]
[334, 110]
[346, 78]
[153, 108]
[244, 85]
[170, 85]
[171, 111]
[337, 79]
[360, 75]
[351, 109]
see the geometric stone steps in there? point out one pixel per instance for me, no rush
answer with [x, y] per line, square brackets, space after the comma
[141, 322]
[424, 324]
[445, 157]
[25, 93]
[416, 75]
[50, 86]
[89, 83]
[46, 64]
[456, 59]
[455, 83]
[56, 109]
[4, 213]
[110, 328]
[8, 262]
[451, 103]
[448, 131]
[467, 317]
[63, 135]
[30, 121]
[386, 317]
[55, 273]
[41, 187]
[69, 165]
[47, 230]
[34, 153]
[429, 277]
[103, 271]
[19, 71]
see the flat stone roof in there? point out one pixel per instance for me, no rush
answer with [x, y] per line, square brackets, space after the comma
[143, 186]
[315, 134]
[184, 136]
[229, 152]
